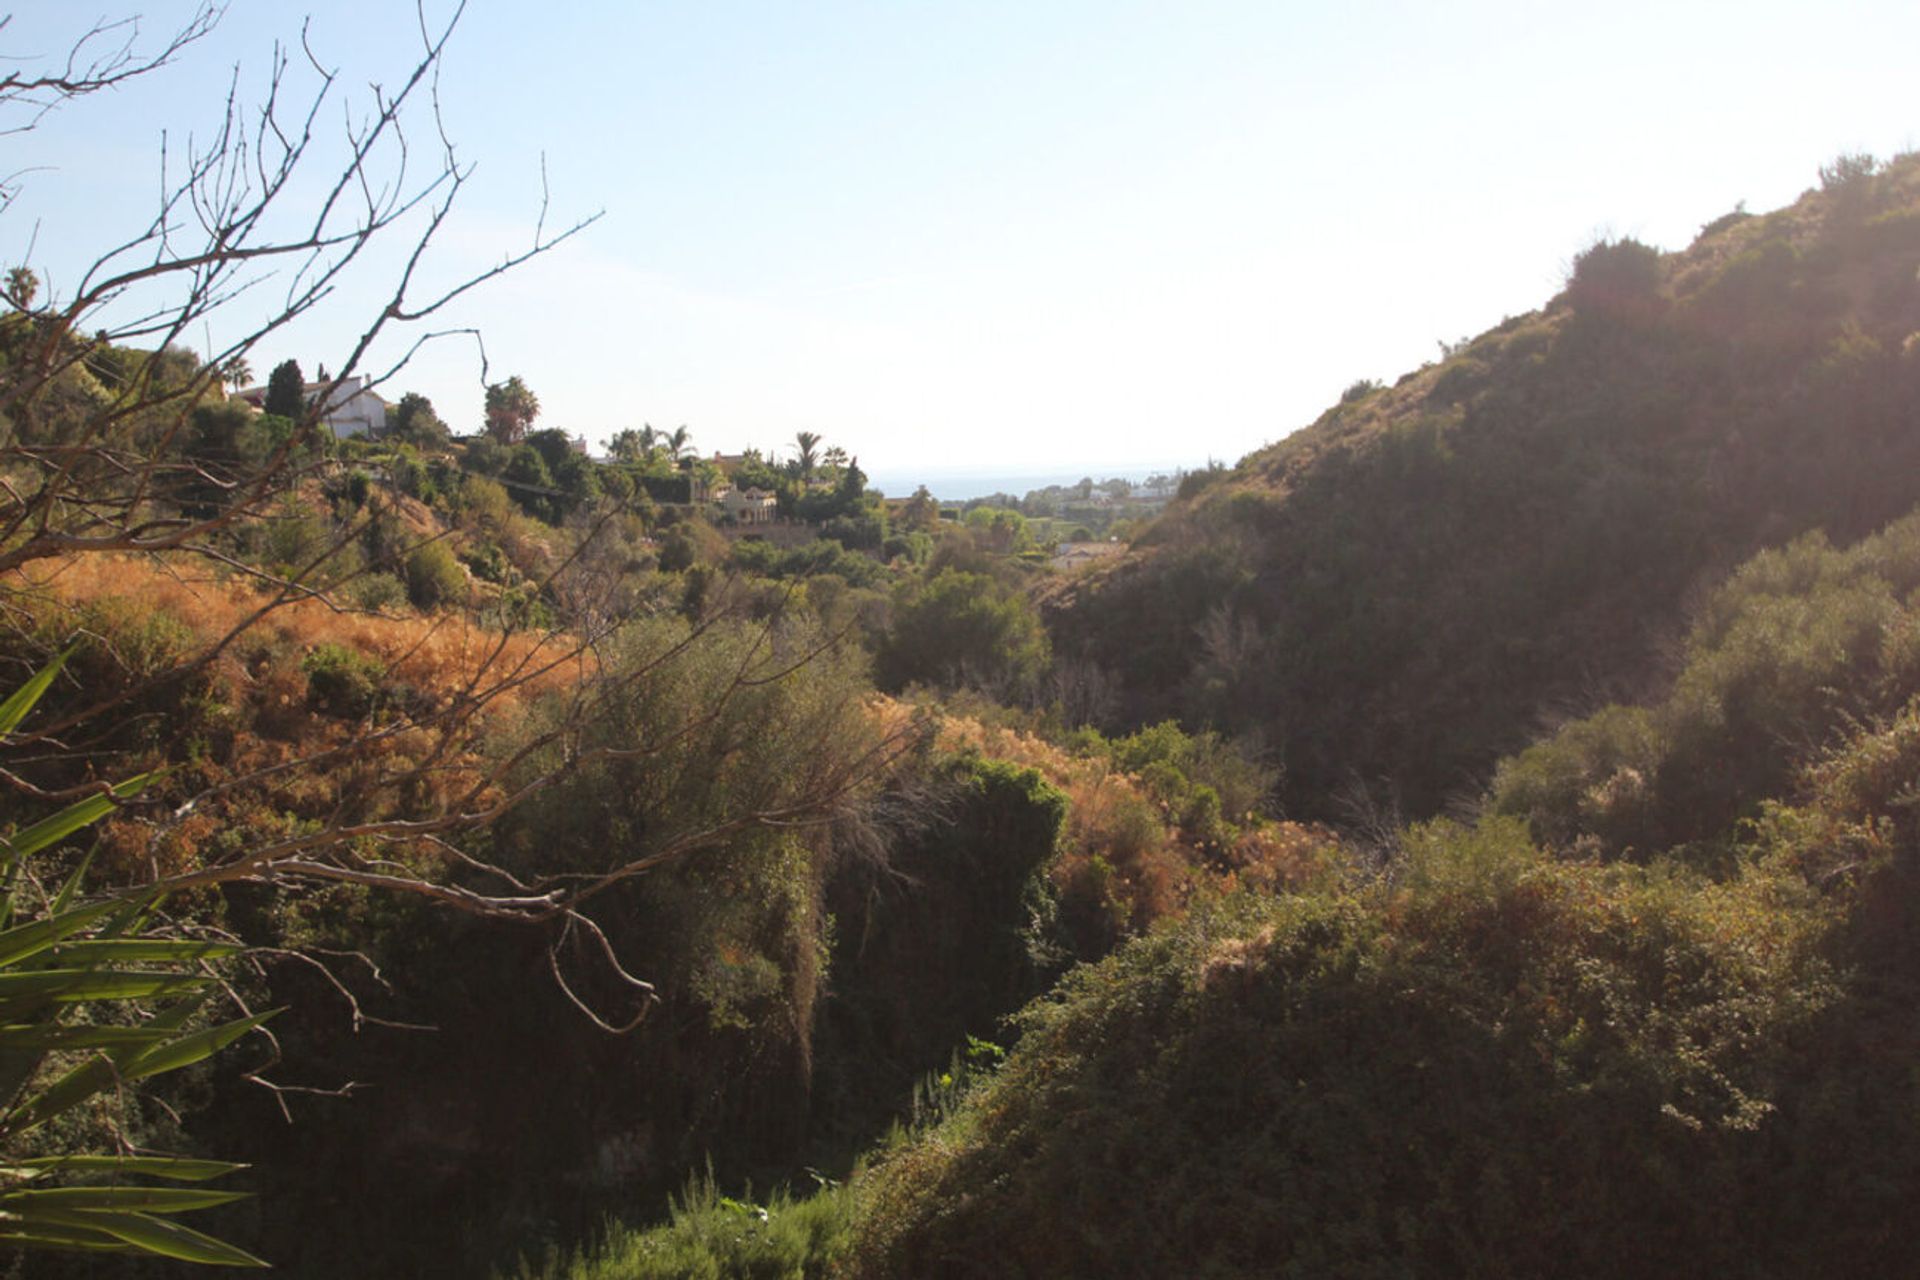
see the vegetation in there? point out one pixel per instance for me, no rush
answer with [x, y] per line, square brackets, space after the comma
[1559, 488]
[1499, 1058]
[961, 628]
[75, 973]
[710, 866]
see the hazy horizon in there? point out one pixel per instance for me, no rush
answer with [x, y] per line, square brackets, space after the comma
[960, 484]
[1031, 234]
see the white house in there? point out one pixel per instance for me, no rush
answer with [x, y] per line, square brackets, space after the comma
[352, 410]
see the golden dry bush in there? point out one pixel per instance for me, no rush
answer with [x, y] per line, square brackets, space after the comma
[246, 731]
[1120, 860]
[440, 652]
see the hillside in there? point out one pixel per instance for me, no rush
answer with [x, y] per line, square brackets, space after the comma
[1651, 1013]
[1394, 596]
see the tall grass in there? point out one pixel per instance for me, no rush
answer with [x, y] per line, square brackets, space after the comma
[710, 1236]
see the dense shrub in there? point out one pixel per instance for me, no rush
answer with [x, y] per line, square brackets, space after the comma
[1616, 278]
[342, 681]
[717, 1236]
[964, 629]
[1798, 644]
[377, 591]
[1412, 586]
[1502, 1067]
[434, 577]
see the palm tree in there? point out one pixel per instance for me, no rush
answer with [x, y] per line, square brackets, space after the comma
[628, 445]
[677, 442]
[808, 443]
[511, 409]
[23, 286]
[235, 372]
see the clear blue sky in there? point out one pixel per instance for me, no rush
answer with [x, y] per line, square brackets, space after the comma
[1021, 236]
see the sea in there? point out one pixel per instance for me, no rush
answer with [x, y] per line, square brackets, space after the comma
[960, 485]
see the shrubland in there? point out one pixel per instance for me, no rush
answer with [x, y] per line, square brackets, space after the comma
[1643, 1002]
[599, 881]
[1526, 1045]
[1402, 592]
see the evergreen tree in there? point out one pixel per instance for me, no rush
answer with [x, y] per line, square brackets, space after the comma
[287, 390]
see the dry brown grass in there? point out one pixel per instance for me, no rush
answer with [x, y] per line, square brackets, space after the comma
[442, 651]
[245, 730]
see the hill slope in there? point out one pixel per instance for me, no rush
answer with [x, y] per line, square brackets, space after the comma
[1399, 593]
[1508, 1058]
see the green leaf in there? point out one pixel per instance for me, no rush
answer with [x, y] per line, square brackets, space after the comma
[42, 985]
[25, 940]
[52, 830]
[46, 1039]
[72, 886]
[144, 1199]
[40, 1235]
[154, 1235]
[125, 950]
[188, 1050]
[100, 1073]
[95, 1075]
[178, 1168]
[23, 699]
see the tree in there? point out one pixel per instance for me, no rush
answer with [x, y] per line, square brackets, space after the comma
[287, 390]
[415, 421]
[628, 445]
[511, 409]
[964, 629]
[23, 286]
[98, 410]
[678, 442]
[807, 443]
[921, 512]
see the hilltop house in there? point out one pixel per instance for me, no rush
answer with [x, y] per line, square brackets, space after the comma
[747, 506]
[351, 410]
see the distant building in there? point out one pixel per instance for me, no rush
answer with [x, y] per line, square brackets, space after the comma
[748, 506]
[1078, 555]
[352, 410]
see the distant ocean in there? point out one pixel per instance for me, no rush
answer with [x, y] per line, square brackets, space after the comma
[958, 486]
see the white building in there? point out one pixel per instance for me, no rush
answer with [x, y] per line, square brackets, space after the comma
[352, 410]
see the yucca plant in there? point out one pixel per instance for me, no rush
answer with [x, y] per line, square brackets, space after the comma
[92, 998]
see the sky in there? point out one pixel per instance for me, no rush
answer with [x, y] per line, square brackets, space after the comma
[1051, 236]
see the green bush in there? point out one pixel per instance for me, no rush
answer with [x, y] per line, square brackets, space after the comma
[488, 562]
[377, 591]
[1461, 378]
[1848, 172]
[342, 681]
[1503, 1067]
[964, 629]
[1798, 644]
[434, 577]
[1615, 278]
